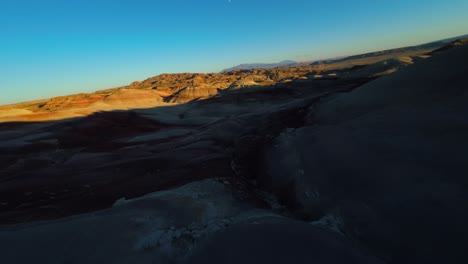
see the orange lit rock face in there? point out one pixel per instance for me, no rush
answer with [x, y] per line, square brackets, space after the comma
[80, 105]
[156, 91]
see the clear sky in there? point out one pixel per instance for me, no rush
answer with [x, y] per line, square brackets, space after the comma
[59, 47]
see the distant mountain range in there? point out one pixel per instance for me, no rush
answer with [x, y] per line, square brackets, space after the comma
[250, 66]
[431, 45]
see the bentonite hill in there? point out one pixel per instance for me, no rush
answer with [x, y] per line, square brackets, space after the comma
[356, 160]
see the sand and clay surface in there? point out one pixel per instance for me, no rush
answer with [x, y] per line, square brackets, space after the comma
[345, 162]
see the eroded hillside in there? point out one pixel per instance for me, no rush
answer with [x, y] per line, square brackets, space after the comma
[359, 161]
[170, 89]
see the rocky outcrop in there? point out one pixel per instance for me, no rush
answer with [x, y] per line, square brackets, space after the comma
[251, 81]
[196, 223]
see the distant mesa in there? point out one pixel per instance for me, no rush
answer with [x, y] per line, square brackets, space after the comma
[250, 66]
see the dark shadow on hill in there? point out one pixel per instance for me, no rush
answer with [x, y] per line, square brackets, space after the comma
[60, 168]
[383, 165]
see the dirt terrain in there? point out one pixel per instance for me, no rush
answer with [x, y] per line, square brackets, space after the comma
[362, 159]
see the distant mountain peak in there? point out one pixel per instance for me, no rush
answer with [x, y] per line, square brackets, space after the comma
[249, 66]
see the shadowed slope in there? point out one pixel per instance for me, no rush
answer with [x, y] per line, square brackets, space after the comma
[389, 159]
[365, 169]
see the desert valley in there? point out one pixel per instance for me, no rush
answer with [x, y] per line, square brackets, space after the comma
[353, 160]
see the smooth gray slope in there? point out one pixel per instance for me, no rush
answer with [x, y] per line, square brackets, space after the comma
[390, 159]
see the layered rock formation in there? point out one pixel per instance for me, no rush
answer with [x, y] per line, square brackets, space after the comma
[169, 89]
[347, 162]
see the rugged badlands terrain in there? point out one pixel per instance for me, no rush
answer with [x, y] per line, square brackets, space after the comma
[359, 160]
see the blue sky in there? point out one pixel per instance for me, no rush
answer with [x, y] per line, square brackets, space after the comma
[58, 47]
